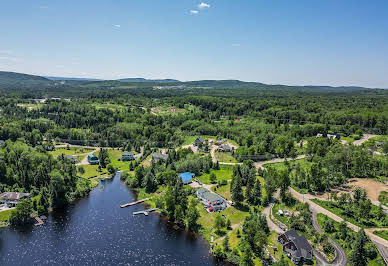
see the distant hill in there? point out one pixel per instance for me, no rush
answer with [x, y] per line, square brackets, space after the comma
[71, 79]
[149, 80]
[12, 80]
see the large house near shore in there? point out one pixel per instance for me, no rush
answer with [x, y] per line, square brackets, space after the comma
[13, 198]
[211, 201]
[296, 247]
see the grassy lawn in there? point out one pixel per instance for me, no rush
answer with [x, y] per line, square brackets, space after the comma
[4, 215]
[207, 219]
[71, 151]
[348, 139]
[224, 191]
[340, 212]
[275, 248]
[225, 173]
[114, 156]
[225, 157]
[321, 218]
[382, 234]
[91, 171]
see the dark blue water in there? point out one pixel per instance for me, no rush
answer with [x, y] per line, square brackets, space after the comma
[96, 231]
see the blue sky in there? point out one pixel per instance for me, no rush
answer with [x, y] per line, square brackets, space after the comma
[296, 42]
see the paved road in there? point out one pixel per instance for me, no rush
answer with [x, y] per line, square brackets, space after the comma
[341, 258]
[378, 241]
[267, 212]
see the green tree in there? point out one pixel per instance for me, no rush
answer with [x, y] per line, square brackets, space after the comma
[57, 189]
[219, 223]
[192, 214]
[247, 254]
[179, 215]
[358, 256]
[225, 244]
[213, 178]
[22, 214]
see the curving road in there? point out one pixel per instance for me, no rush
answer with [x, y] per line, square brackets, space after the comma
[340, 259]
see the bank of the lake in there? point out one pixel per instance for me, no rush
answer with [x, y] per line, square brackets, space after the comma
[96, 231]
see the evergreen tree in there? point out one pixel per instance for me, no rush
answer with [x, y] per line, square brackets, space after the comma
[192, 214]
[257, 193]
[236, 185]
[358, 257]
[225, 244]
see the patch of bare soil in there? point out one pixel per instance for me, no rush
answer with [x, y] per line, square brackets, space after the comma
[372, 187]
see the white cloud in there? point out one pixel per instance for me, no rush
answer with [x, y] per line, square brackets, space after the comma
[5, 52]
[203, 5]
[43, 7]
[236, 44]
[8, 58]
[195, 12]
[117, 25]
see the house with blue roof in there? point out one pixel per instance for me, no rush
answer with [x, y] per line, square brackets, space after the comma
[187, 177]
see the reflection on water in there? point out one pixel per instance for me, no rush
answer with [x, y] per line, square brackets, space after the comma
[97, 231]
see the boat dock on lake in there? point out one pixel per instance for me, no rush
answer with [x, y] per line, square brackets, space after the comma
[39, 221]
[133, 203]
[146, 212]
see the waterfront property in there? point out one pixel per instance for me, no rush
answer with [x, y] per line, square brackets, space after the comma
[156, 157]
[93, 159]
[296, 247]
[13, 198]
[127, 156]
[211, 201]
[187, 177]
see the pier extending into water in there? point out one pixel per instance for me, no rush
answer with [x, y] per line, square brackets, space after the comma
[146, 212]
[133, 203]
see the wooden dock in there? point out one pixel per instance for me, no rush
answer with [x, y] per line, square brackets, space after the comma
[39, 221]
[133, 203]
[146, 212]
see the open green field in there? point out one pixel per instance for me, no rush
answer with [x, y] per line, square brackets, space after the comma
[91, 171]
[225, 157]
[225, 173]
[4, 215]
[70, 151]
[382, 234]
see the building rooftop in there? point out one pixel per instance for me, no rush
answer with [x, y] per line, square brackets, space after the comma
[13, 195]
[126, 153]
[159, 156]
[186, 177]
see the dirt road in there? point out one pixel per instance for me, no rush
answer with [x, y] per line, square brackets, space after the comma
[364, 138]
[276, 160]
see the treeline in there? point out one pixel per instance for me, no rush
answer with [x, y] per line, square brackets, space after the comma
[54, 182]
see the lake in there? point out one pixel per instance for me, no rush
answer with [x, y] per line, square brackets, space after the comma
[96, 231]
